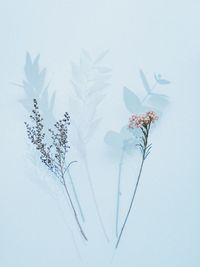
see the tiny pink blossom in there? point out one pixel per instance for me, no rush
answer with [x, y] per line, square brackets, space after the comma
[137, 121]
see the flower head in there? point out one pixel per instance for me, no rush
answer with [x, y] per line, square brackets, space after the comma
[138, 121]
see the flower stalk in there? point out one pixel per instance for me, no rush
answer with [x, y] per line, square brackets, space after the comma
[76, 195]
[53, 155]
[144, 123]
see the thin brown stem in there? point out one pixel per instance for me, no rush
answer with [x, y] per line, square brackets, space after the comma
[137, 183]
[70, 200]
[130, 207]
[75, 214]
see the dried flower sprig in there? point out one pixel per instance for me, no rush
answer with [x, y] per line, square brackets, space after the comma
[36, 86]
[123, 141]
[144, 123]
[53, 155]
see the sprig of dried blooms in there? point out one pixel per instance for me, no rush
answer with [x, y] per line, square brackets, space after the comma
[53, 155]
[144, 123]
[36, 86]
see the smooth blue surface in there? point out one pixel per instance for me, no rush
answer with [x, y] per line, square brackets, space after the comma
[157, 37]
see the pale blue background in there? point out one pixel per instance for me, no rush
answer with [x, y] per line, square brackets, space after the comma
[158, 36]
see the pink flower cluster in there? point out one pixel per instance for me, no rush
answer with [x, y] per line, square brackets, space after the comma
[137, 121]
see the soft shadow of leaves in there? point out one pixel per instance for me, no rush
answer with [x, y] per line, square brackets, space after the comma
[158, 101]
[123, 140]
[90, 80]
[133, 103]
[152, 101]
[35, 86]
[160, 80]
[145, 82]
